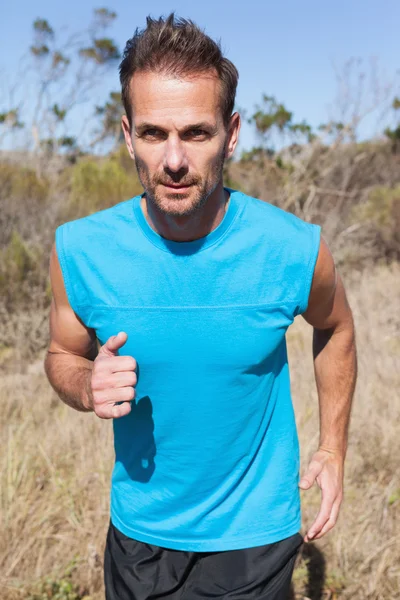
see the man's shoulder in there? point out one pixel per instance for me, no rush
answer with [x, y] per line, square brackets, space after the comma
[262, 212]
[106, 215]
[96, 229]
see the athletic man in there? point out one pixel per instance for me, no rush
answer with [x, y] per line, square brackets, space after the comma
[169, 316]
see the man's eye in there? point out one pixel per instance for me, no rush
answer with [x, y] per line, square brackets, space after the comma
[151, 133]
[197, 133]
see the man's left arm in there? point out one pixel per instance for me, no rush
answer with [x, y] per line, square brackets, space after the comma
[335, 367]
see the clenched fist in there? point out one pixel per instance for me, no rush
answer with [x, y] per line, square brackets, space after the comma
[113, 380]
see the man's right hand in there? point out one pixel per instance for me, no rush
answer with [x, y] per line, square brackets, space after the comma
[112, 380]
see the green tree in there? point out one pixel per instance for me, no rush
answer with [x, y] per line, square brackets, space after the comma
[274, 123]
[110, 114]
[65, 72]
[394, 133]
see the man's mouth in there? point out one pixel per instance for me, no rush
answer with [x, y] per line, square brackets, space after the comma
[177, 186]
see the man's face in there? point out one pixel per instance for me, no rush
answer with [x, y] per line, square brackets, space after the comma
[178, 139]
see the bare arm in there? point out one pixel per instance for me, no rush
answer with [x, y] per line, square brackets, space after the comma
[85, 377]
[335, 368]
[72, 349]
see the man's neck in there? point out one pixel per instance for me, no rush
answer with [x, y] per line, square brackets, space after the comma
[191, 227]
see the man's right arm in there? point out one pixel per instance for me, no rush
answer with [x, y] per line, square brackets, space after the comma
[73, 347]
[85, 377]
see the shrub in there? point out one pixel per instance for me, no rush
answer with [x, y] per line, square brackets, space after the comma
[21, 272]
[23, 198]
[22, 183]
[99, 184]
[382, 213]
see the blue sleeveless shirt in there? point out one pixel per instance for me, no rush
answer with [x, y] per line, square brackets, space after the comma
[208, 458]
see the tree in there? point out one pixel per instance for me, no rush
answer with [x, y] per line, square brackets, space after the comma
[110, 124]
[394, 133]
[273, 123]
[65, 72]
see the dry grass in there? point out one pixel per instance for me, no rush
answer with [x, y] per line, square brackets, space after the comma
[55, 468]
[362, 554]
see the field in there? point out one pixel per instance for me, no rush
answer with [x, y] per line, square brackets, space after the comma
[56, 464]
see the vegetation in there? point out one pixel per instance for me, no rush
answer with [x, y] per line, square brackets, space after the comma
[56, 464]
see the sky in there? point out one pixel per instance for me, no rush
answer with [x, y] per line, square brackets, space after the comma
[287, 49]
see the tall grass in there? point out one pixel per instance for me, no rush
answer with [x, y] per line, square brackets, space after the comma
[55, 469]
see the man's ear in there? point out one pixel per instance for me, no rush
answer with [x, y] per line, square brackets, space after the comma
[233, 135]
[126, 128]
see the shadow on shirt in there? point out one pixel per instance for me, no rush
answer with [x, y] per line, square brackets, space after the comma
[138, 426]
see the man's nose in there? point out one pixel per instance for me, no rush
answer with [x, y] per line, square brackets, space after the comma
[175, 158]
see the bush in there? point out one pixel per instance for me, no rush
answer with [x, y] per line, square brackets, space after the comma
[16, 260]
[22, 183]
[23, 198]
[56, 590]
[62, 588]
[382, 213]
[18, 266]
[96, 185]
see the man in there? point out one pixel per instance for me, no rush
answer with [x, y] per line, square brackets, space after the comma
[169, 316]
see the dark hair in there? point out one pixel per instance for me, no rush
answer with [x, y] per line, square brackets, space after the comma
[178, 47]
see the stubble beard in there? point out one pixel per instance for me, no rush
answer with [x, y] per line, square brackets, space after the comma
[179, 204]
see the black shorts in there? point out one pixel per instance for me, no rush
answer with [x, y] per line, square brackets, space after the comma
[135, 570]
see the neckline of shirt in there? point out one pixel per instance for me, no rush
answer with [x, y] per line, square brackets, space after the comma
[195, 246]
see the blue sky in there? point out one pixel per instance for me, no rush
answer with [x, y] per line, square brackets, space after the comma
[286, 49]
